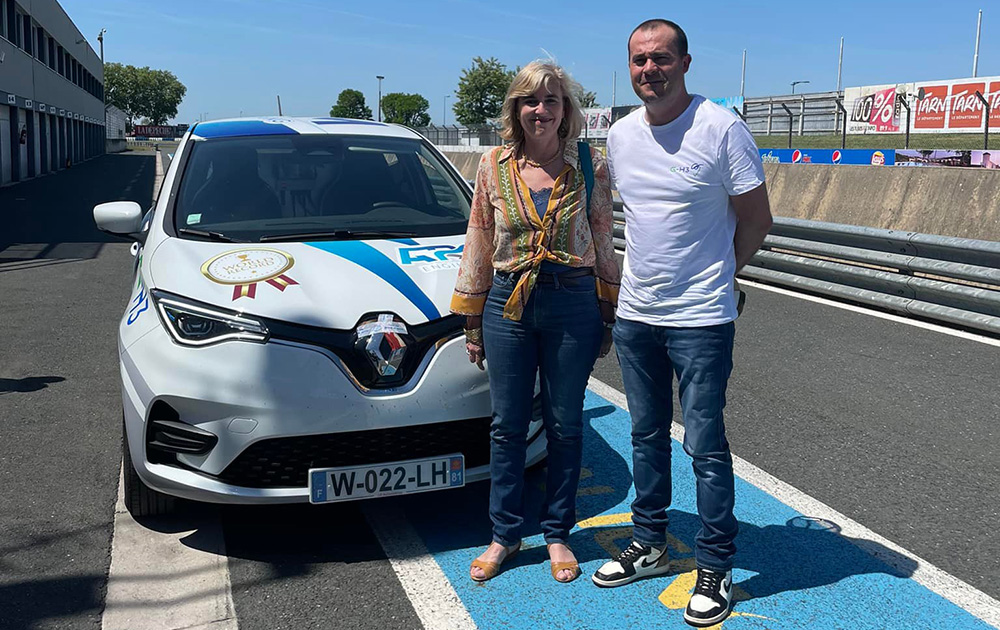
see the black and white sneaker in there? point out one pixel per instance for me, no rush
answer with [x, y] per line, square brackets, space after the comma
[712, 600]
[636, 562]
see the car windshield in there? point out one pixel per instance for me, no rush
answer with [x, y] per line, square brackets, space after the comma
[297, 187]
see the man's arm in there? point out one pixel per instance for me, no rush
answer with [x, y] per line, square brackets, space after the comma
[753, 213]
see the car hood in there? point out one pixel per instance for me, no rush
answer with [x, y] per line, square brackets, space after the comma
[325, 283]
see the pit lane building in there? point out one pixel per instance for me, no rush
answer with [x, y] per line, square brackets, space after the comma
[51, 91]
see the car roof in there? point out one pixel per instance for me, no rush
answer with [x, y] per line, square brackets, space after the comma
[282, 125]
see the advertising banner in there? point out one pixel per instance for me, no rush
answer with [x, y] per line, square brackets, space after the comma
[868, 157]
[154, 131]
[947, 106]
[968, 159]
[729, 102]
[874, 109]
[598, 122]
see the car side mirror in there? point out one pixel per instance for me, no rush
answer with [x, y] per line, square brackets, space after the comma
[121, 218]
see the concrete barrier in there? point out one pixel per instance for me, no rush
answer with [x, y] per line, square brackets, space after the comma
[465, 161]
[112, 145]
[962, 202]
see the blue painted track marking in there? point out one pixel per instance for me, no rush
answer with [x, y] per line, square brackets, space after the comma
[791, 571]
[381, 265]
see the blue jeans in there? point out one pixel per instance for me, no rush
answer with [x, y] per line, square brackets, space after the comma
[558, 337]
[702, 359]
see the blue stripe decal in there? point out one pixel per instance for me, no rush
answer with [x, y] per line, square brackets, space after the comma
[404, 241]
[345, 121]
[382, 266]
[230, 129]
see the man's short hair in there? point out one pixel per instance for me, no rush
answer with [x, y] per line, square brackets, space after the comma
[648, 25]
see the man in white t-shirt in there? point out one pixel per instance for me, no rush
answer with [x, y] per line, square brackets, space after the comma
[696, 210]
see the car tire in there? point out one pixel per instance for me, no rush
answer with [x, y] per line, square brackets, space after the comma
[140, 499]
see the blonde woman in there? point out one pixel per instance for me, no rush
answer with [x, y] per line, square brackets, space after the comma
[538, 285]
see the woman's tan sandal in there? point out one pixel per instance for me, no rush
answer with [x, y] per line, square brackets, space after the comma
[573, 567]
[491, 569]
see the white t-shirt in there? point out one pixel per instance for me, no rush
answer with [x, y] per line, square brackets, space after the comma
[675, 181]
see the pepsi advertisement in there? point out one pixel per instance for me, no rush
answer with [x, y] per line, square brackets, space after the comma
[866, 157]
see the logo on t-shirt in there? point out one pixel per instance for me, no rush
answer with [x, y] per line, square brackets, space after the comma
[694, 168]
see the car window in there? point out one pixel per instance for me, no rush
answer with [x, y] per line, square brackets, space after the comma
[251, 187]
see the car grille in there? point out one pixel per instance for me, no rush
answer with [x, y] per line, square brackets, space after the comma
[285, 462]
[345, 344]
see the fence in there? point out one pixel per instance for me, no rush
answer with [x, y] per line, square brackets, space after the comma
[814, 113]
[455, 135]
[951, 280]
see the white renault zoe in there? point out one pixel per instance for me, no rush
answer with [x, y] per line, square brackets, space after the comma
[288, 336]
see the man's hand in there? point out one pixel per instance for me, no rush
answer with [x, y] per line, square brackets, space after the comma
[753, 215]
[608, 317]
[605, 344]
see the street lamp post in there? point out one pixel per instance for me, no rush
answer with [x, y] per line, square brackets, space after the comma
[100, 38]
[444, 111]
[379, 77]
[794, 83]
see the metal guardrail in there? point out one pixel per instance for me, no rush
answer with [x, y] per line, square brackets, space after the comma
[952, 280]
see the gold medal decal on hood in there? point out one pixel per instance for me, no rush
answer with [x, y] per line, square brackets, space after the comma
[244, 268]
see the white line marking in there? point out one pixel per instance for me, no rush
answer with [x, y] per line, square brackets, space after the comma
[865, 311]
[156, 582]
[926, 574]
[432, 595]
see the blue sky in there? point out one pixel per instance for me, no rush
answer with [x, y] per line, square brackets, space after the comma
[235, 55]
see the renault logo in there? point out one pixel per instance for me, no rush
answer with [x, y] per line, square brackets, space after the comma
[384, 343]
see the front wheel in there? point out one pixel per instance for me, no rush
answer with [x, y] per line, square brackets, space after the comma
[140, 499]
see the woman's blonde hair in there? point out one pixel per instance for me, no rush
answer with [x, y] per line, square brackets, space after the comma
[528, 80]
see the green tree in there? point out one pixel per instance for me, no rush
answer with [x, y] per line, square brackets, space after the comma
[481, 91]
[585, 98]
[143, 92]
[351, 104]
[405, 109]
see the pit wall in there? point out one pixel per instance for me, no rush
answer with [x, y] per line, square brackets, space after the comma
[963, 202]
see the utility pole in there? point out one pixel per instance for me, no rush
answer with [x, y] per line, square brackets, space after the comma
[379, 77]
[840, 64]
[444, 111]
[279, 104]
[975, 57]
[743, 75]
[614, 86]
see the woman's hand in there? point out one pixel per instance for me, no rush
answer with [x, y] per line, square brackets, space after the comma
[476, 354]
[474, 340]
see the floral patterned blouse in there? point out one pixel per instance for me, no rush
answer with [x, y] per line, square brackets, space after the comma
[506, 232]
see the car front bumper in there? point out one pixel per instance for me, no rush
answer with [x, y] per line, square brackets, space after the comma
[245, 393]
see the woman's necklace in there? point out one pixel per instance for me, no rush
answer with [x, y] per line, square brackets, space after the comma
[530, 162]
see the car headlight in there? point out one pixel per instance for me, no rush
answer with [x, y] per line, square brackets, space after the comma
[194, 324]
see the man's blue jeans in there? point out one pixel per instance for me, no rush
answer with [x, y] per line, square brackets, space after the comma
[702, 359]
[558, 337]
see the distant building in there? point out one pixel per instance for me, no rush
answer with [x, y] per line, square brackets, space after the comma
[51, 91]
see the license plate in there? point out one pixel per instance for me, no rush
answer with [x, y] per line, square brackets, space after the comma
[348, 483]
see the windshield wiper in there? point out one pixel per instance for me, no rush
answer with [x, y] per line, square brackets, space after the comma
[335, 235]
[215, 236]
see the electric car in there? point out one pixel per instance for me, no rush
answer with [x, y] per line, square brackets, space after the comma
[288, 338]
